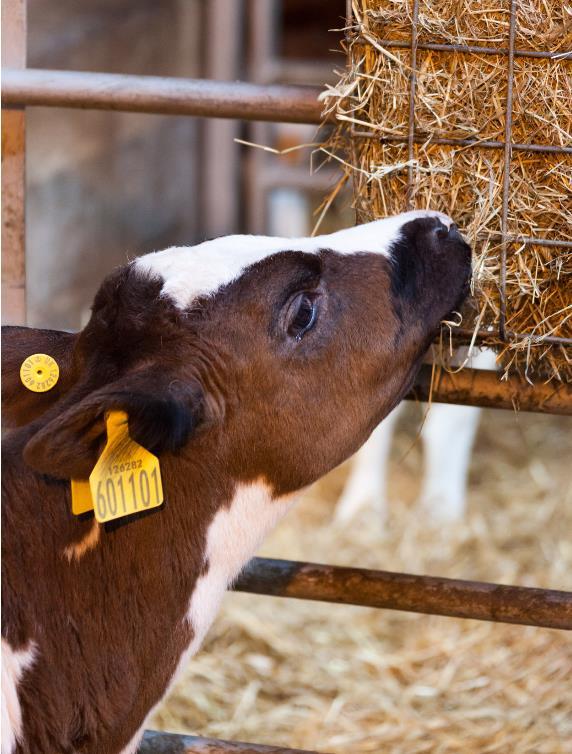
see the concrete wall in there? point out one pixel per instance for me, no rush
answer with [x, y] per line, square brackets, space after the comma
[104, 187]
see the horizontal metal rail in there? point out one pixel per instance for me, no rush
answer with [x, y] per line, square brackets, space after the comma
[163, 95]
[155, 742]
[481, 387]
[465, 335]
[476, 49]
[462, 143]
[527, 240]
[402, 591]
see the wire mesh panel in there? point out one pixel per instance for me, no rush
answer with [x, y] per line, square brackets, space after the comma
[467, 108]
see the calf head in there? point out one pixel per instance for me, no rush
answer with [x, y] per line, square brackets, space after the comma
[278, 355]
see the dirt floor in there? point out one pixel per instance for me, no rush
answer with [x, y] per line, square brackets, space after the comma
[346, 679]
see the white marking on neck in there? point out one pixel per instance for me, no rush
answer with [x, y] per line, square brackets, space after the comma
[233, 537]
[192, 271]
[14, 664]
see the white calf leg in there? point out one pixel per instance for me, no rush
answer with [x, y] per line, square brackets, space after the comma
[448, 436]
[367, 481]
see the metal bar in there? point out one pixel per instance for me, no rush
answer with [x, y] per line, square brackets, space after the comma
[165, 95]
[354, 144]
[470, 142]
[527, 240]
[411, 120]
[264, 16]
[155, 742]
[466, 335]
[481, 387]
[14, 173]
[506, 164]
[444, 47]
[411, 593]
[220, 161]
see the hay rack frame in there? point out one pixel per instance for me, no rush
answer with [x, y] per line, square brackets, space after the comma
[507, 146]
[23, 87]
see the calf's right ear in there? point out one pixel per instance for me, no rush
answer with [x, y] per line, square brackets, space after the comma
[163, 413]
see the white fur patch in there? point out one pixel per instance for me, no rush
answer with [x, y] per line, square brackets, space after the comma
[192, 271]
[14, 664]
[234, 535]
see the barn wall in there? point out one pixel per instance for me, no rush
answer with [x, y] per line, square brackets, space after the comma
[103, 186]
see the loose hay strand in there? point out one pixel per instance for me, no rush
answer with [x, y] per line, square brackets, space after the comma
[464, 95]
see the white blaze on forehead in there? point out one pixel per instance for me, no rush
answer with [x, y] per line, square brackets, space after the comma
[191, 271]
[14, 664]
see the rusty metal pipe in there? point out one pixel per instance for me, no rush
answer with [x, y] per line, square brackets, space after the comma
[155, 94]
[480, 387]
[402, 591]
[174, 743]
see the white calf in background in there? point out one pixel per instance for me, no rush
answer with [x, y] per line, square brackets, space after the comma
[447, 434]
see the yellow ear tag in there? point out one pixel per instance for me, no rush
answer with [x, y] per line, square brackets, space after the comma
[81, 496]
[39, 372]
[127, 478]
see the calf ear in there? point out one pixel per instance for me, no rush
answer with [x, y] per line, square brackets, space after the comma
[163, 413]
[20, 405]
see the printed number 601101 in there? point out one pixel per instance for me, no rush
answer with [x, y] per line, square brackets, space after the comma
[123, 496]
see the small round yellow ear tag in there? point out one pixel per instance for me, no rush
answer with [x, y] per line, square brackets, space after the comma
[39, 372]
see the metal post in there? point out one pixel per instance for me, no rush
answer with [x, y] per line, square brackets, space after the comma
[220, 174]
[13, 172]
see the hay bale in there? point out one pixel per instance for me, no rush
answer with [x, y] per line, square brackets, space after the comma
[462, 95]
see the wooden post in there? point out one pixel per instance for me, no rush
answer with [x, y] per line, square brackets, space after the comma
[13, 172]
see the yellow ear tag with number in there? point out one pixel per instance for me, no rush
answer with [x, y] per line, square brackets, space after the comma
[39, 372]
[81, 496]
[127, 477]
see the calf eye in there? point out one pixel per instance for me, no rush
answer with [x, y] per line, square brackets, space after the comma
[302, 315]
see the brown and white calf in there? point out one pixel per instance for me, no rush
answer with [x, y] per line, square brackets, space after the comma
[251, 366]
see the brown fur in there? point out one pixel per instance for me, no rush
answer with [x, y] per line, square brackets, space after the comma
[222, 395]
